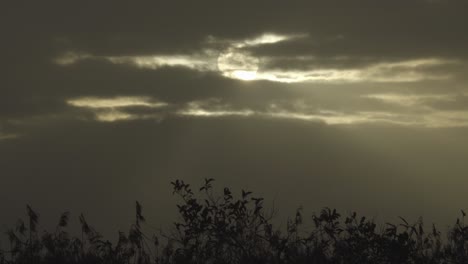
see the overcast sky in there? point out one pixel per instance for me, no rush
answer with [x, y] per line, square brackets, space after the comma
[358, 105]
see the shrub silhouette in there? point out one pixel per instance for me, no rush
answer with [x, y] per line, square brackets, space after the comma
[226, 228]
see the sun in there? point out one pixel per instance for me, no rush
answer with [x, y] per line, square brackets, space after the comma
[245, 75]
[237, 64]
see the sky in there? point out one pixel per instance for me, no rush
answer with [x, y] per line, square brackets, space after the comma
[355, 105]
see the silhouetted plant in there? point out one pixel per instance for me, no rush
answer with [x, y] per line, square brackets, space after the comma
[225, 228]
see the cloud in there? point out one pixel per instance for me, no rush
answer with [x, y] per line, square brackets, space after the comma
[299, 111]
[401, 71]
[436, 102]
[237, 63]
[195, 62]
[203, 60]
[71, 57]
[211, 108]
[423, 109]
[94, 102]
[410, 99]
[113, 109]
[457, 101]
[231, 61]
[256, 41]
[117, 109]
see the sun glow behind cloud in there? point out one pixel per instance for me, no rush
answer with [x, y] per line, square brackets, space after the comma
[233, 60]
[244, 75]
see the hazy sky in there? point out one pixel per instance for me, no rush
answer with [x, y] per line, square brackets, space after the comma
[359, 105]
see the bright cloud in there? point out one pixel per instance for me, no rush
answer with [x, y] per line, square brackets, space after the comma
[410, 99]
[211, 108]
[402, 71]
[113, 109]
[116, 109]
[95, 102]
[233, 60]
[268, 38]
[195, 62]
[429, 118]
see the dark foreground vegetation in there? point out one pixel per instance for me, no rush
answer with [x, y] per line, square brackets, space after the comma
[227, 229]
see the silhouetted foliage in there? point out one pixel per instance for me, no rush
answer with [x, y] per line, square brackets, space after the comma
[228, 229]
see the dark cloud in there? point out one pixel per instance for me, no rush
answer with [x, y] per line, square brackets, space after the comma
[379, 29]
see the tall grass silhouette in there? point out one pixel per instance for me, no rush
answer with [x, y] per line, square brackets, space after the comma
[225, 228]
